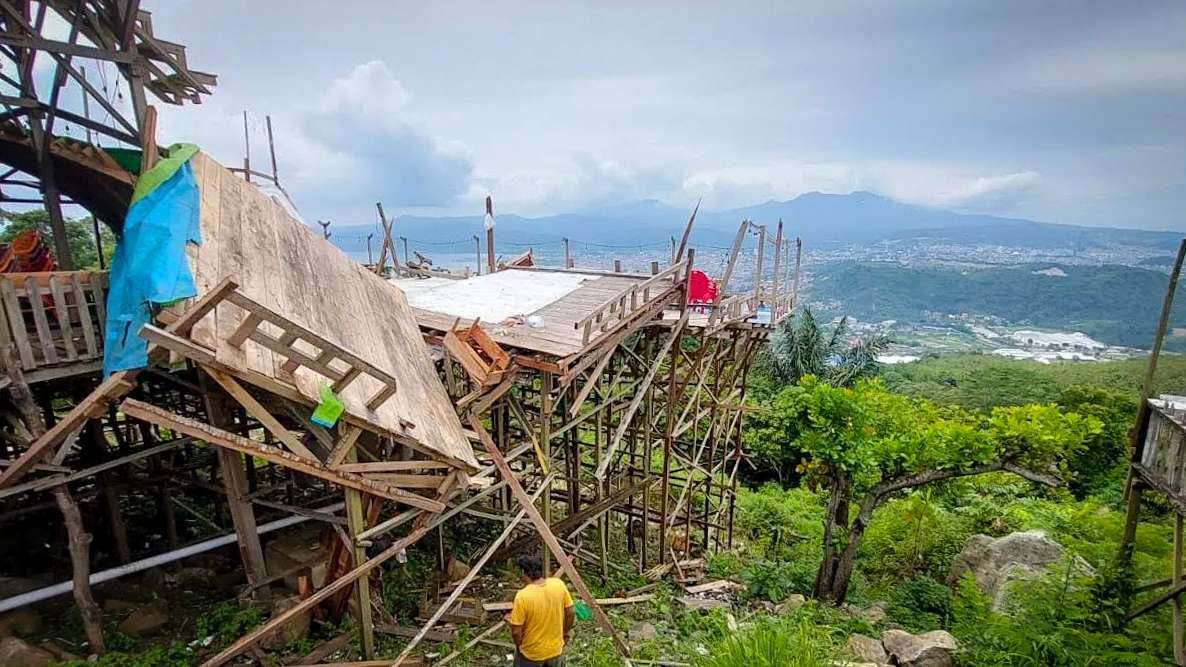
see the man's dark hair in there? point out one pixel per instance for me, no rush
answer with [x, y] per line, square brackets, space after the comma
[531, 565]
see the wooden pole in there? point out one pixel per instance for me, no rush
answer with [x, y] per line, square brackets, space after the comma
[370, 256]
[405, 240]
[477, 255]
[80, 547]
[798, 263]
[1132, 485]
[489, 223]
[148, 153]
[272, 151]
[1179, 629]
[545, 532]
[761, 255]
[469, 576]
[678, 254]
[567, 255]
[246, 149]
[774, 273]
[356, 525]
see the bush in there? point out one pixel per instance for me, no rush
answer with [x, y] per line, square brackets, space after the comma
[773, 643]
[920, 604]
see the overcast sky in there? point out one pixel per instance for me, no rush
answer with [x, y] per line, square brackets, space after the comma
[1059, 111]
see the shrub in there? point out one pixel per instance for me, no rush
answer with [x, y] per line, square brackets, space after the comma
[920, 604]
[773, 643]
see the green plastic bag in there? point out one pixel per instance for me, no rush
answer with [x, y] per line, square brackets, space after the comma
[582, 610]
[329, 409]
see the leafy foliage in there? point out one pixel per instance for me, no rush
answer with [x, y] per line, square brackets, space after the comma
[802, 346]
[773, 643]
[79, 234]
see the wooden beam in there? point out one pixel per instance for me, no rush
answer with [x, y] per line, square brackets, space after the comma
[346, 580]
[541, 527]
[640, 393]
[469, 576]
[261, 414]
[215, 436]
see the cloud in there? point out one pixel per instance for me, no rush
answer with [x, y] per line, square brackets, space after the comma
[579, 181]
[359, 143]
[1084, 70]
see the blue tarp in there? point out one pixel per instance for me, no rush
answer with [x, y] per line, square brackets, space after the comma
[150, 266]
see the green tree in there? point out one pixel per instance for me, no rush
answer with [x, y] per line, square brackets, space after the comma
[865, 444]
[1102, 462]
[802, 346]
[79, 234]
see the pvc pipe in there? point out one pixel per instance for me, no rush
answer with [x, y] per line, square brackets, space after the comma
[64, 587]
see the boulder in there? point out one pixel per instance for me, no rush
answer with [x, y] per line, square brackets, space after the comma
[867, 649]
[792, 603]
[146, 620]
[194, 577]
[19, 653]
[933, 649]
[294, 629]
[642, 631]
[995, 563]
[23, 621]
[456, 569]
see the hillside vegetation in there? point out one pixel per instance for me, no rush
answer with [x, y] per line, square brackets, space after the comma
[1114, 304]
[981, 381]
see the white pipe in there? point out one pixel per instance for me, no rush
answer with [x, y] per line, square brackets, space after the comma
[55, 590]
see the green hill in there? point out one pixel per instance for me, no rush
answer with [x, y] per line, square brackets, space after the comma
[981, 381]
[1114, 304]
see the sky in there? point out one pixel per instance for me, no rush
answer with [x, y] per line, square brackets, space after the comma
[1059, 111]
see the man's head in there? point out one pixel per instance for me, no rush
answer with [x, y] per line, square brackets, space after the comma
[532, 567]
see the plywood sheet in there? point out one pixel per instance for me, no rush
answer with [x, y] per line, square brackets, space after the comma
[280, 263]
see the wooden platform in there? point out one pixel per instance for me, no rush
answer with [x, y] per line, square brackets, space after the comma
[559, 336]
[284, 266]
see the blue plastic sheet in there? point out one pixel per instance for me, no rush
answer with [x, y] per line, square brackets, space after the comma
[150, 267]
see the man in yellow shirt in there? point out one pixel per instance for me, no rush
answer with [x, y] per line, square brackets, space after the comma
[542, 617]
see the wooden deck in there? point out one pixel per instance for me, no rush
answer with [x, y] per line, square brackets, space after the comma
[289, 270]
[559, 336]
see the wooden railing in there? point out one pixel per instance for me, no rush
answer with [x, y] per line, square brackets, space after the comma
[628, 301]
[54, 318]
[1163, 458]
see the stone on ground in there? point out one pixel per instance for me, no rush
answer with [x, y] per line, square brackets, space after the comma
[932, 649]
[23, 621]
[642, 631]
[20, 653]
[293, 629]
[146, 620]
[996, 563]
[867, 649]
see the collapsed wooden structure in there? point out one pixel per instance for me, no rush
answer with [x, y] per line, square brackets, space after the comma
[614, 397]
[1157, 465]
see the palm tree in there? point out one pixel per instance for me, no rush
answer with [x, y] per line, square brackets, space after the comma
[801, 346]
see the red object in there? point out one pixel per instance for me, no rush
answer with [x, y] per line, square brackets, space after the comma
[701, 288]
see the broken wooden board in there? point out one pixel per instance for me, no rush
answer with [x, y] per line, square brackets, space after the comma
[281, 264]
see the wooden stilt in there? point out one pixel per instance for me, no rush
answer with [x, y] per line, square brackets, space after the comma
[356, 525]
[541, 526]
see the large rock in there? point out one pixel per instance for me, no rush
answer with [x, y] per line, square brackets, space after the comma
[933, 649]
[146, 620]
[995, 563]
[293, 629]
[642, 631]
[22, 622]
[19, 653]
[867, 649]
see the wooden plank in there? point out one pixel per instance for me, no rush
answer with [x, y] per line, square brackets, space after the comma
[84, 317]
[393, 466]
[206, 433]
[261, 414]
[245, 330]
[49, 353]
[16, 320]
[545, 532]
[343, 446]
[99, 295]
[62, 313]
[406, 480]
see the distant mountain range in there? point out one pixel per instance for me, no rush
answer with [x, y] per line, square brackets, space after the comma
[821, 220]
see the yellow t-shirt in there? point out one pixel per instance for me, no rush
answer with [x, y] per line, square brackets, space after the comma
[539, 608]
